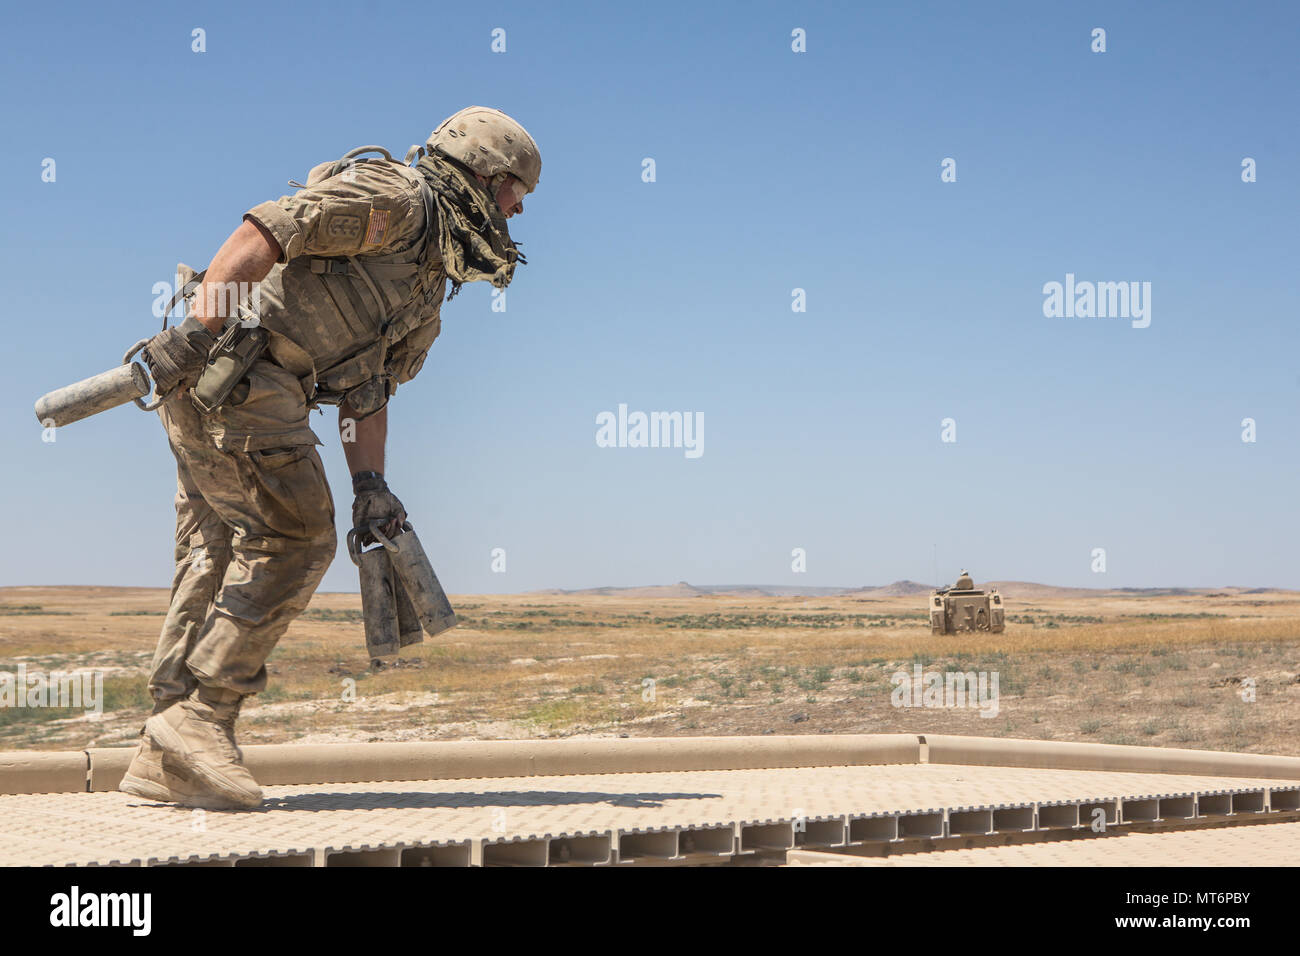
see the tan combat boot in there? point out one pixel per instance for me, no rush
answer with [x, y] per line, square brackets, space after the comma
[156, 775]
[199, 733]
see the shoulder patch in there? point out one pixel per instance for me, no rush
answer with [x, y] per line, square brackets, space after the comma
[343, 226]
[377, 227]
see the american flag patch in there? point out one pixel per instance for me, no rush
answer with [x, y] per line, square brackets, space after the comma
[378, 224]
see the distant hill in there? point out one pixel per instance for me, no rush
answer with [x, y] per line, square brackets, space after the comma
[772, 590]
[679, 590]
[1023, 590]
[1016, 590]
[897, 589]
[682, 589]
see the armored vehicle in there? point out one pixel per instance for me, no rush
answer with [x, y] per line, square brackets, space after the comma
[963, 607]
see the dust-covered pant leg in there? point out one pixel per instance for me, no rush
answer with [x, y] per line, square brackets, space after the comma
[277, 505]
[284, 543]
[202, 554]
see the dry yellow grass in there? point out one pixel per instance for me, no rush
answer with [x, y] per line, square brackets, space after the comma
[1172, 670]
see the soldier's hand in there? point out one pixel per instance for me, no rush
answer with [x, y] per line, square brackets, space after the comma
[374, 502]
[177, 355]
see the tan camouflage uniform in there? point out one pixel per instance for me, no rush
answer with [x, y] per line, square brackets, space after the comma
[254, 514]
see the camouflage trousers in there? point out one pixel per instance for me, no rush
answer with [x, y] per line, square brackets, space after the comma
[254, 537]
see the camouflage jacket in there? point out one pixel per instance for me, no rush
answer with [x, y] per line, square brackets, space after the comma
[353, 304]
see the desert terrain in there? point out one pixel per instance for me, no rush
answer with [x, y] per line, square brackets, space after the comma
[1211, 669]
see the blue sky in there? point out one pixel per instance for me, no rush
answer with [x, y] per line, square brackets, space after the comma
[775, 170]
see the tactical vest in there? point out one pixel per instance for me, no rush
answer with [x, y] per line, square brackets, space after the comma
[334, 319]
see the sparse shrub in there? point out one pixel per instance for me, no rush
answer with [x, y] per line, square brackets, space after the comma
[1182, 734]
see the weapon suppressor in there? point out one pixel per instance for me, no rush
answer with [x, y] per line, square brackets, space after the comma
[93, 395]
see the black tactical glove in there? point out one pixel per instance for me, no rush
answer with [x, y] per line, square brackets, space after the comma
[178, 354]
[374, 502]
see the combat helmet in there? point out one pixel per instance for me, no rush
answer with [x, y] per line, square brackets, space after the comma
[488, 142]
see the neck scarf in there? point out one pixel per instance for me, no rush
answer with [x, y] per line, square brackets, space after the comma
[472, 233]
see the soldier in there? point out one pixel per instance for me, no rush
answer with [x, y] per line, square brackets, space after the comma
[352, 271]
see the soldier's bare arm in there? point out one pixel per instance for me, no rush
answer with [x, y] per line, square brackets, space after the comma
[365, 455]
[176, 355]
[246, 257]
[363, 438]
